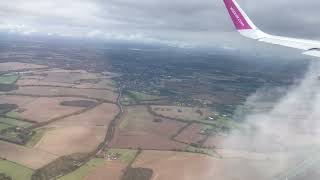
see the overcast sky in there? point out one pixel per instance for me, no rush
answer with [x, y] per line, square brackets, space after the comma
[191, 21]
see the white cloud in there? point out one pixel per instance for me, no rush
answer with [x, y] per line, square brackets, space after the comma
[166, 20]
[291, 127]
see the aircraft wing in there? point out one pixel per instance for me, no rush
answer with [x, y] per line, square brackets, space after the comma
[246, 27]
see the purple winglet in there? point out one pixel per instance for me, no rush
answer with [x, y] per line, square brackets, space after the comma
[238, 19]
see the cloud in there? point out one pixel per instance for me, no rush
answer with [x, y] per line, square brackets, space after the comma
[180, 20]
[282, 124]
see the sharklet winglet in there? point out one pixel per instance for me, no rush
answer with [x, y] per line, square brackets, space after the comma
[242, 22]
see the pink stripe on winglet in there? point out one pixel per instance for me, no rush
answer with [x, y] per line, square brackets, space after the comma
[236, 16]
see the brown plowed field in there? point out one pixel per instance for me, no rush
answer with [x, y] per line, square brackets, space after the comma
[62, 91]
[35, 82]
[80, 133]
[138, 130]
[101, 115]
[32, 158]
[192, 134]
[72, 139]
[18, 100]
[13, 66]
[188, 166]
[44, 109]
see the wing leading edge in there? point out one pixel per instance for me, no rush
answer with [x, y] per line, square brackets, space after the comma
[247, 28]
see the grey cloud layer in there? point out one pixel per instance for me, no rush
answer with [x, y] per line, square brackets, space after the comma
[186, 20]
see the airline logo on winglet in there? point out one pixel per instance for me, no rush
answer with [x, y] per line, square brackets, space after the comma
[236, 15]
[238, 19]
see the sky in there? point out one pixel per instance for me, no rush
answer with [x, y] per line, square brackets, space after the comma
[171, 21]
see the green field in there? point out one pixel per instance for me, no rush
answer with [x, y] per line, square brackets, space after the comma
[138, 96]
[124, 124]
[221, 125]
[184, 113]
[13, 114]
[8, 79]
[37, 137]
[16, 171]
[126, 155]
[226, 123]
[14, 122]
[84, 170]
[4, 126]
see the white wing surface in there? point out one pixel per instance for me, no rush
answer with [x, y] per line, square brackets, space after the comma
[246, 27]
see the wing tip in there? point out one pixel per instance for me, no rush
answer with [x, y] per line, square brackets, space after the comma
[239, 18]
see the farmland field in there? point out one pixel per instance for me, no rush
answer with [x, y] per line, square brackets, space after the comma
[74, 109]
[66, 91]
[84, 170]
[61, 107]
[192, 134]
[14, 66]
[66, 78]
[78, 133]
[29, 157]
[74, 139]
[100, 168]
[181, 166]
[39, 133]
[139, 129]
[14, 122]
[139, 96]
[8, 79]
[16, 171]
[4, 126]
[110, 170]
[100, 116]
[184, 113]
[18, 100]
[43, 109]
[126, 155]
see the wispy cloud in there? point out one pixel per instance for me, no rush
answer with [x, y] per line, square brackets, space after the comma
[282, 124]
